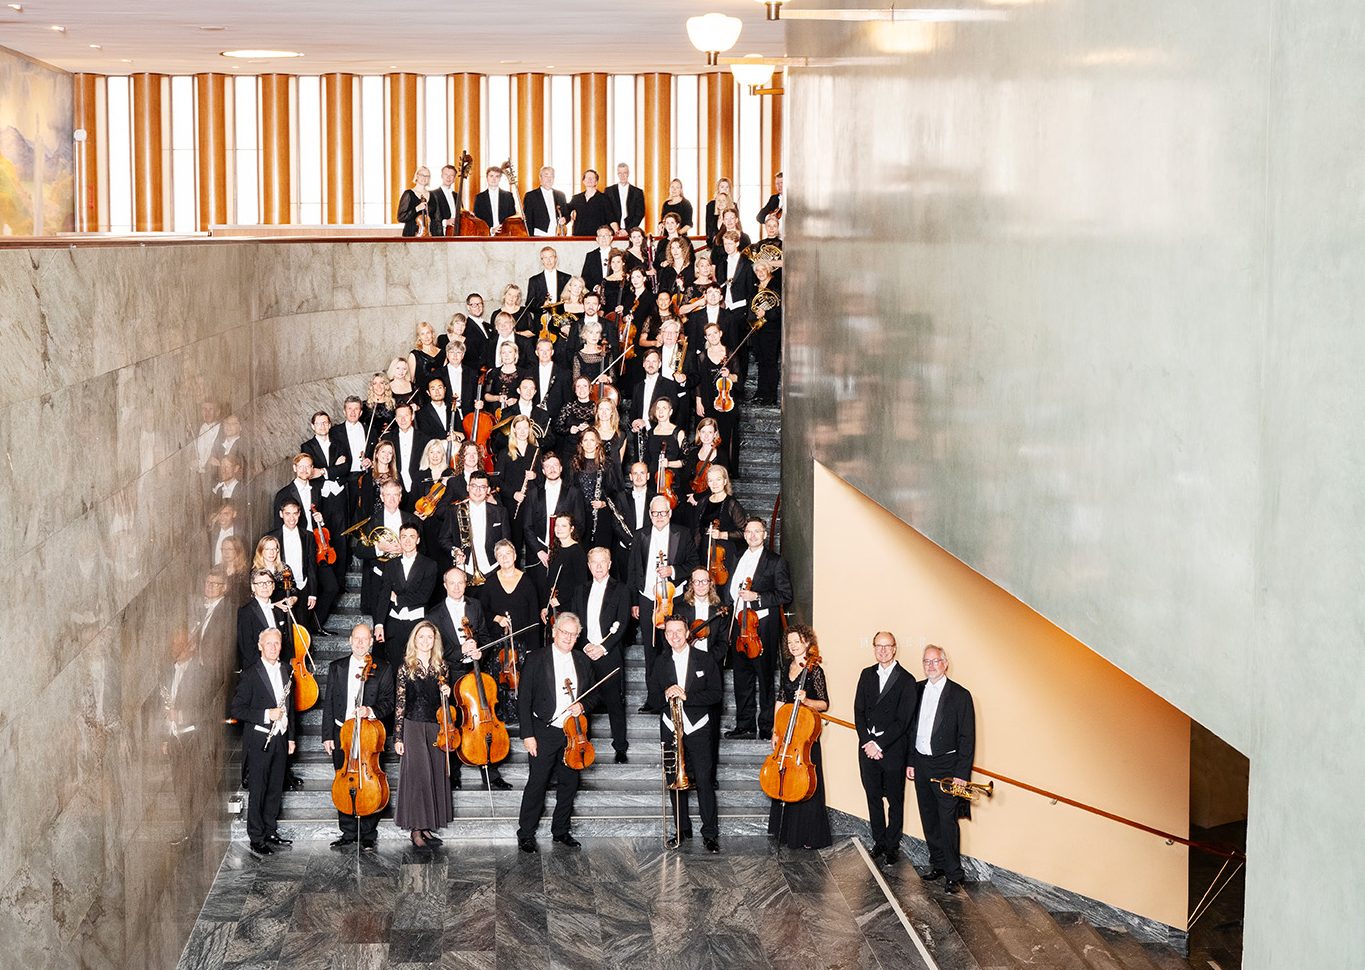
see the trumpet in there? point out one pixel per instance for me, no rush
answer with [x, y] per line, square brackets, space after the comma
[970, 791]
[674, 763]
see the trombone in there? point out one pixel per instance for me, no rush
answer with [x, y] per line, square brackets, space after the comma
[674, 762]
[970, 791]
[476, 578]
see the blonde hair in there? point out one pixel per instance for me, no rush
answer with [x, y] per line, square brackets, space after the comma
[512, 449]
[440, 445]
[387, 399]
[258, 559]
[429, 328]
[438, 660]
[613, 419]
[508, 289]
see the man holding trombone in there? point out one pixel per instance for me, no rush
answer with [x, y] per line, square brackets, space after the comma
[685, 687]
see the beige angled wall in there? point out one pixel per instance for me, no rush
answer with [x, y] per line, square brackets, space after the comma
[1050, 711]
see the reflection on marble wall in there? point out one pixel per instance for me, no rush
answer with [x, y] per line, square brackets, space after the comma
[114, 827]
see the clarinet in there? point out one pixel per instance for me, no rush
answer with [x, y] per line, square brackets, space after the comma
[596, 495]
[626, 532]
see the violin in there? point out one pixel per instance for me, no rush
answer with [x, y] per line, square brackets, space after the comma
[360, 786]
[663, 480]
[448, 735]
[748, 642]
[307, 693]
[578, 752]
[702, 628]
[326, 553]
[724, 402]
[787, 774]
[715, 562]
[664, 592]
[699, 484]
[475, 428]
[484, 740]
[428, 502]
[509, 675]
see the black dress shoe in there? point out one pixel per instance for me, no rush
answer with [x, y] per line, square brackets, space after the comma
[646, 709]
[499, 784]
[621, 758]
[953, 885]
[890, 857]
[342, 842]
[685, 834]
[568, 839]
[324, 632]
[875, 851]
[367, 845]
[260, 848]
[278, 839]
[433, 838]
[929, 875]
[527, 845]
[712, 845]
[740, 734]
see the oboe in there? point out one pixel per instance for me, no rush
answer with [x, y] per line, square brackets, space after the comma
[596, 497]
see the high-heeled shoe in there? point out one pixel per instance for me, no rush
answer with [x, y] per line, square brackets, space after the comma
[417, 840]
[432, 837]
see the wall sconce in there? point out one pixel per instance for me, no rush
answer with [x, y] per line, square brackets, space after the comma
[713, 34]
[755, 71]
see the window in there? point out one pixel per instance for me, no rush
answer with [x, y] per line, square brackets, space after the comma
[373, 206]
[120, 154]
[246, 151]
[309, 153]
[686, 145]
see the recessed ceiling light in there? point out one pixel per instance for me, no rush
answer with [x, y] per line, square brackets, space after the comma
[261, 54]
[59, 28]
[126, 60]
[212, 27]
[19, 7]
[96, 47]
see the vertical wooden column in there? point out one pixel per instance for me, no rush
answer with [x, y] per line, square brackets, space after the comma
[771, 134]
[338, 149]
[718, 124]
[211, 148]
[592, 127]
[528, 132]
[89, 111]
[654, 135]
[464, 94]
[277, 160]
[404, 107]
[151, 148]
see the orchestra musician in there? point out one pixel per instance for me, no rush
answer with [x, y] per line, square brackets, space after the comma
[545, 704]
[544, 206]
[678, 206]
[477, 331]
[777, 202]
[603, 605]
[262, 702]
[942, 745]
[494, 203]
[390, 515]
[423, 802]
[691, 676]
[425, 357]
[882, 708]
[488, 525]
[405, 587]
[414, 203]
[597, 264]
[547, 285]
[549, 498]
[257, 615]
[350, 695]
[771, 590]
[589, 209]
[723, 197]
[627, 202]
[701, 607]
[443, 202]
[804, 824]
[646, 574]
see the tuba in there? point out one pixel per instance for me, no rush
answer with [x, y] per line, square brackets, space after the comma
[970, 791]
[674, 763]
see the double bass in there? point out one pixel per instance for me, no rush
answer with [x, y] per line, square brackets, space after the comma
[484, 740]
[788, 775]
[302, 663]
[462, 221]
[513, 226]
[360, 786]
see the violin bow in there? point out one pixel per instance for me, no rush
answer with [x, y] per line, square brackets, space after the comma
[579, 699]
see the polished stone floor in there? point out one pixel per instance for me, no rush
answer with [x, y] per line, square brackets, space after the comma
[613, 903]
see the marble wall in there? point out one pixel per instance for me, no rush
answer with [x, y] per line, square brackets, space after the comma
[113, 830]
[1074, 292]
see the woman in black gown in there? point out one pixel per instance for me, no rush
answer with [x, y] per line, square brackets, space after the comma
[802, 825]
[591, 462]
[423, 800]
[567, 569]
[719, 517]
[709, 365]
[678, 206]
[413, 205]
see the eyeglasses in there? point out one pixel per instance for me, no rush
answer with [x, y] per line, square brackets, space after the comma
[658, 511]
[262, 582]
[934, 663]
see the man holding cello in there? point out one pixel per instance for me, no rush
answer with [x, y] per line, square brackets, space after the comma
[350, 694]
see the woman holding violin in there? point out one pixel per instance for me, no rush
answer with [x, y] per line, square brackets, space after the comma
[712, 373]
[676, 274]
[423, 696]
[801, 684]
[413, 205]
[704, 454]
[592, 356]
[513, 605]
[511, 305]
[667, 439]
[720, 521]
[429, 487]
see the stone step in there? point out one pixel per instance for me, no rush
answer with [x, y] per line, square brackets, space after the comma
[1084, 939]
[1130, 952]
[605, 775]
[584, 827]
[975, 929]
[646, 751]
[1049, 942]
[639, 727]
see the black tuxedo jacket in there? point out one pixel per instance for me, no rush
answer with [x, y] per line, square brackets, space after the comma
[483, 206]
[586, 214]
[616, 603]
[541, 697]
[664, 387]
[217, 632]
[682, 556]
[439, 209]
[310, 560]
[526, 348]
[954, 731]
[884, 716]
[635, 205]
[468, 382]
[745, 284]
[419, 443]
[339, 453]
[536, 293]
[625, 504]
[369, 432]
[250, 622]
[450, 637]
[704, 687]
[254, 696]
[533, 206]
[290, 492]
[772, 582]
[497, 527]
[719, 627]
[533, 512]
[414, 592]
[592, 271]
[378, 693]
[552, 396]
[772, 205]
[429, 423]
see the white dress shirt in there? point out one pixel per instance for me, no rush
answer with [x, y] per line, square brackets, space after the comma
[478, 530]
[658, 542]
[928, 709]
[564, 670]
[553, 486]
[639, 497]
[681, 669]
[355, 437]
[277, 685]
[745, 569]
[353, 687]
[703, 611]
[623, 196]
[596, 593]
[293, 555]
[549, 196]
[551, 284]
[405, 443]
[546, 372]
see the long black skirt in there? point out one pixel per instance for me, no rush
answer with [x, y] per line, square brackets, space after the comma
[423, 787]
[804, 825]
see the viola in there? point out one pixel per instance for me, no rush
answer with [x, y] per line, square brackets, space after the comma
[578, 752]
[306, 694]
[484, 740]
[360, 786]
[788, 775]
[447, 735]
[663, 480]
[748, 642]
[715, 564]
[509, 675]
[664, 592]
[428, 502]
[326, 553]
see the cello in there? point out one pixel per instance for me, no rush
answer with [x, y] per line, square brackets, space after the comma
[307, 693]
[360, 786]
[788, 775]
[748, 642]
[484, 740]
[463, 222]
[513, 226]
[578, 751]
[476, 429]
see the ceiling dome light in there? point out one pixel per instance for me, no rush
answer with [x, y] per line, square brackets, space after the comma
[713, 34]
[753, 75]
[260, 55]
